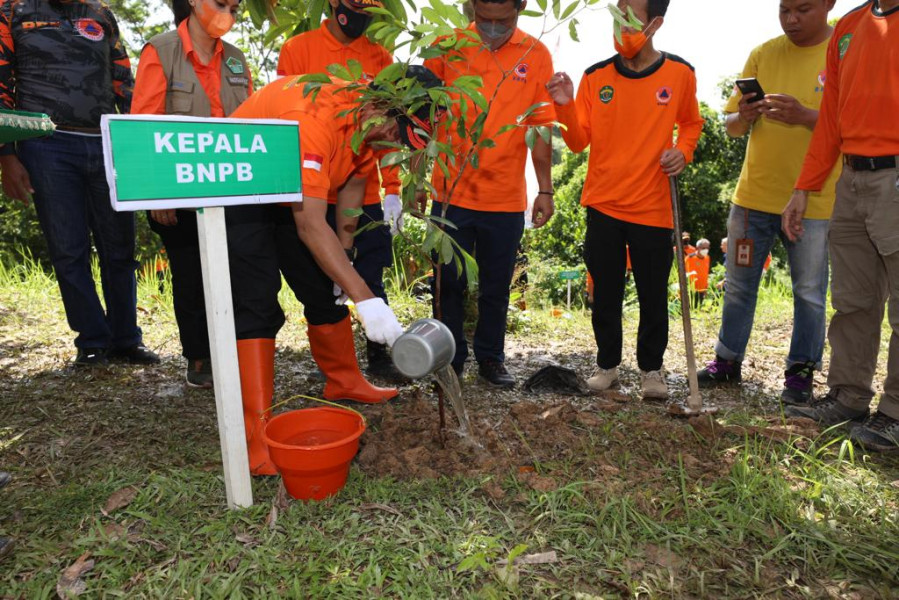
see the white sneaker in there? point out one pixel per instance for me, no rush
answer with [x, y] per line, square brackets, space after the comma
[603, 379]
[654, 385]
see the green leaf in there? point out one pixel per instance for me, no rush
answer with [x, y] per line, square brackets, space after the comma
[443, 221]
[394, 158]
[546, 133]
[314, 77]
[570, 9]
[557, 7]
[352, 212]
[531, 13]
[572, 30]
[506, 128]
[446, 249]
[390, 73]
[340, 71]
[356, 141]
[471, 269]
[530, 138]
[542, 5]
[355, 68]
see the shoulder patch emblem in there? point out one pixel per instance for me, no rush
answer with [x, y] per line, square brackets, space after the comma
[89, 29]
[844, 44]
[606, 94]
[234, 65]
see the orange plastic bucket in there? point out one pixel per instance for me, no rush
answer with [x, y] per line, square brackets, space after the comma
[312, 449]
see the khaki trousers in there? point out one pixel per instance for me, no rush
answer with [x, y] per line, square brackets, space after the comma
[864, 254]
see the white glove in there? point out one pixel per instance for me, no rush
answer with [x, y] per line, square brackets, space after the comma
[379, 321]
[340, 297]
[393, 213]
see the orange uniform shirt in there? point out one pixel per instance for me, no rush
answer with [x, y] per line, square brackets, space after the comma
[312, 52]
[498, 183]
[327, 159]
[861, 98]
[628, 120]
[151, 82]
[698, 271]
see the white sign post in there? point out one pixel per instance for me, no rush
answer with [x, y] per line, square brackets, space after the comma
[163, 162]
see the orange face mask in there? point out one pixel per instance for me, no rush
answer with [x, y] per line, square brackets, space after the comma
[631, 43]
[213, 22]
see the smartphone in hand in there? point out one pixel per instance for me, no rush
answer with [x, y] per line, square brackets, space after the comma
[749, 87]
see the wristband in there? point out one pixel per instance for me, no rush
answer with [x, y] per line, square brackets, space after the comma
[545, 193]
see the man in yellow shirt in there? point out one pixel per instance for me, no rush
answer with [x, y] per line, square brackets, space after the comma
[780, 126]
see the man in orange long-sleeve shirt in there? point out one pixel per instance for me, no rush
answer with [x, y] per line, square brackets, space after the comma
[340, 40]
[857, 119]
[626, 110]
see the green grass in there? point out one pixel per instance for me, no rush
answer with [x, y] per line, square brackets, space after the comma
[644, 508]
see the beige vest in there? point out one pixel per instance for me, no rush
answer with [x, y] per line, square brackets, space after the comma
[184, 93]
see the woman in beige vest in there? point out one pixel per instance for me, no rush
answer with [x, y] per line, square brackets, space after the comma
[191, 71]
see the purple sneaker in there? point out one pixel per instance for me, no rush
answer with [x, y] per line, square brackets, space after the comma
[719, 371]
[798, 381]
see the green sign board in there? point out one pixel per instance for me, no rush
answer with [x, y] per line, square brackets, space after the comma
[157, 162]
[569, 275]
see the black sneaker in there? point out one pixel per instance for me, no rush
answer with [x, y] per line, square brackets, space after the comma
[798, 380]
[718, 372]
[199, 373]
[137, 354]
[494, 372]
[91, 357]
[380, 364]
[827, 412]
[880, 433]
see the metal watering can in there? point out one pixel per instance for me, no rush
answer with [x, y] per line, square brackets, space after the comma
[427, 346]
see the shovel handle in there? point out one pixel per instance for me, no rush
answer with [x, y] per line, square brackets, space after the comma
[694, 401]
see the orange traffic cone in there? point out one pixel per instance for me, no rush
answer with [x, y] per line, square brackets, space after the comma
[257, 382]
[333, 349]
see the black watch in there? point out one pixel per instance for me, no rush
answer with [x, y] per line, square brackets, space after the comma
[351, 253]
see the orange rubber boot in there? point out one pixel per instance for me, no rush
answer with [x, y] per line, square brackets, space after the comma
[333, 349]
[257, 384]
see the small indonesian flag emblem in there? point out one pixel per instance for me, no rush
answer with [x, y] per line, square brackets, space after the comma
[312, 161]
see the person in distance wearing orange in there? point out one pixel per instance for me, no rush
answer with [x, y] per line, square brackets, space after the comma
[857, 120]
[626, 110]
[487, 203]
[339, 40]
[296, 241]
[191, 71]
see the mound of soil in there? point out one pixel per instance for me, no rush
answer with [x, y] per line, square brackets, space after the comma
[591, 439]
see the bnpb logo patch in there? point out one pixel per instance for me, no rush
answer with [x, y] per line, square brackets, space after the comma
[606, 94]
[90, 29]
[521, 72]
[822, 79]
[664, 95]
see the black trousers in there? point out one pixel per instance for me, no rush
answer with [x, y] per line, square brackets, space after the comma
[493, 239]
[651, 256]
[182, 247]
[374, 247]
[262, 245]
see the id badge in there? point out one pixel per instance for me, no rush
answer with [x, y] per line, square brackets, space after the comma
[744, 253]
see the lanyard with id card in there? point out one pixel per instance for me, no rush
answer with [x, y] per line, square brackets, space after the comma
[744, 245]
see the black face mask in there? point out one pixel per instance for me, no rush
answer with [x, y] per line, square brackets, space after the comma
[351, 23]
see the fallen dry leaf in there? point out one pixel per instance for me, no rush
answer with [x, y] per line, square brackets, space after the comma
[282, 498]
[538, 482]
[119, 499]
[378, 506]
[113, 530]
[662, 556]
[494, 490]
[552, 412]
[272, 519]
[588, 419]
[70, 582]
[540, 558]
[246, 539]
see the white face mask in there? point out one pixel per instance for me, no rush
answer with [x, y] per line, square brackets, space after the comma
[704, 252]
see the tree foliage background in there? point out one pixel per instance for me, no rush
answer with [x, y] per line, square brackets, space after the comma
[706, 185]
